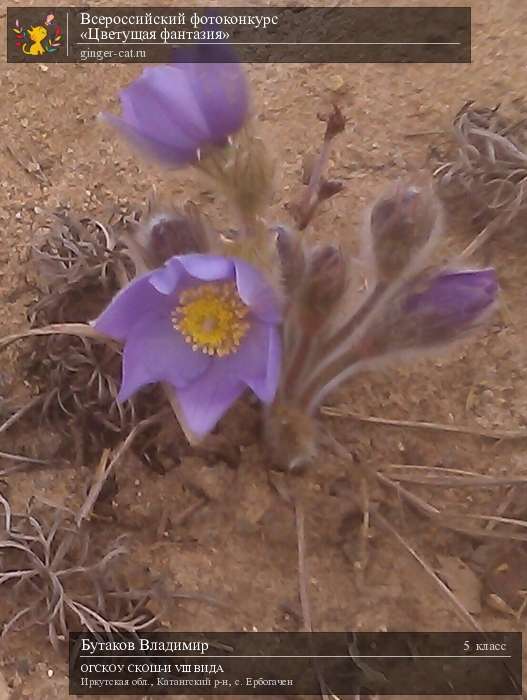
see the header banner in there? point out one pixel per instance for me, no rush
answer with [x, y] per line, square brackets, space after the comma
[257, 35]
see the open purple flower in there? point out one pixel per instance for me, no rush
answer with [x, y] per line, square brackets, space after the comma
[207, 325]
[176, 111]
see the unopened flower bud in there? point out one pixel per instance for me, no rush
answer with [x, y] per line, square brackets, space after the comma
[165, 235]
[325, 280]
[441, 309]
[403, 221]
[292, 258]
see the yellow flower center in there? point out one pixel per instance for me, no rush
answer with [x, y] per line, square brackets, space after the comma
[211, 318]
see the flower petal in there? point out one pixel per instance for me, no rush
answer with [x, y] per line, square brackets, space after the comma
[458, 296]
[155, 352]
[207, 399]
[161, 115]
[147, 106]
[172, 91]
[219, 83]
[207, 267]
[256, 292]
[166, 279]
[222, 93]
[266, 387]
[128, 306]
[258, 360]
[174, 156]
[217, 52]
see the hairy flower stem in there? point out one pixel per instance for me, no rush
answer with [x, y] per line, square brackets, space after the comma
[212, 166]
[310, 199]
[297, 364]
[314, 194]
[307, 354]
[351, 325]
[349, 344]
[300, 353]
[341, 367]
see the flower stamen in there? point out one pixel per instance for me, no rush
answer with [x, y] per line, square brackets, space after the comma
[211, 318]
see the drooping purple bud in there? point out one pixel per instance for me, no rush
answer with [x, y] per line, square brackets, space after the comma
[442, 309]
[166, 235]
[403, 221]
[456, 297]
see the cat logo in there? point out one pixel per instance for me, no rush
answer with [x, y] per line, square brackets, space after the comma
[39, 40]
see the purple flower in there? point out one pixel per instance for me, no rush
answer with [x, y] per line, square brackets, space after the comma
[175, 111]
[450, 304]
[457, 296]
[207, 325]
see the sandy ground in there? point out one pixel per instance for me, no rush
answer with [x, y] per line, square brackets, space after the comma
[242, 548]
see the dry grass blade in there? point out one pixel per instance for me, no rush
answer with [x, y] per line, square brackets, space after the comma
[423, 468]
[458, 605]
[104, 469]
[284, 493]
[447, 519]
[304, 591]
[412, 498]
[20, 413]
[22, 467]
[497, 519]
[465, 480]
[101, 474]
[21, 458]
[442, 518]
[79, 329]
[302, 575]
[463, 613]
[480, 240]
[445, 427]
[32, 166]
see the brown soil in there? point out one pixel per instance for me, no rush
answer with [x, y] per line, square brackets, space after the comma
[241, 549]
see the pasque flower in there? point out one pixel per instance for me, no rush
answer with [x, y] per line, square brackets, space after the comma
[207, 325]
[437, 310]
[451, 303]
[176, 111]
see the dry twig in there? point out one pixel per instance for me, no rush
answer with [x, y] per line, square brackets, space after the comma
[445, 427]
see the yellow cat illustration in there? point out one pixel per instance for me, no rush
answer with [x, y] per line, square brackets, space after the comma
[37, 36]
